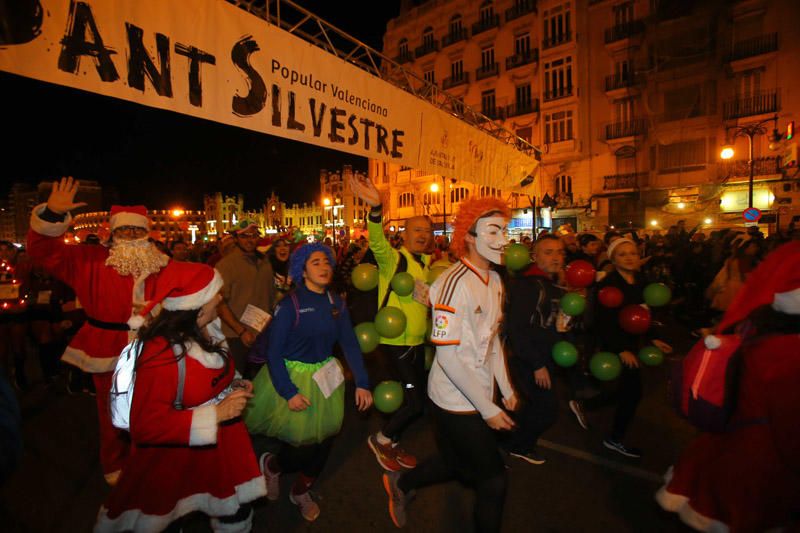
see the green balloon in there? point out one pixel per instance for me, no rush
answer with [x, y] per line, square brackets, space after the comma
[388, 396]
[365, 277]
[403, 283]
[429, 353]
[605, 366]
[573, 304]
[367, 336]
[390, 322]
[651, 356]
[657, 294]
[517, 256]
[435, 272]
[564, 353]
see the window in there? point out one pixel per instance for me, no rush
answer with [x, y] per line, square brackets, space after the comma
[623, 110]
[558, 127]
[429, 76]
[406, 199]
[685, 155]
[403, 47]
[564, 184]
[523, 96]
[558, 78]
[486, 14]
[556, 25]
[623, 14]
[622, 69]
[431, 198]
[684, 102]
[487, 58]
[522, 45]
[427, 37]
[488, 102]
[458, 194]
[748, 84]
[526, 134]
[456, 25]
[457, 69]
[490, 191]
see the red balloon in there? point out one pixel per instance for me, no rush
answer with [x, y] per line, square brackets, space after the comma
[634, 319]
[610, 296]
[580, 273]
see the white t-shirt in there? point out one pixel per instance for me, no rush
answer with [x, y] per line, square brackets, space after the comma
[467, 310]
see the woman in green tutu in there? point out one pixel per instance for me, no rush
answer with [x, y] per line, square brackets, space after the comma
[299, 395]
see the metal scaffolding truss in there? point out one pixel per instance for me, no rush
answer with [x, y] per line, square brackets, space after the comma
[300, 22]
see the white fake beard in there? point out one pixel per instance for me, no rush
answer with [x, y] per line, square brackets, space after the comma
[135, 257]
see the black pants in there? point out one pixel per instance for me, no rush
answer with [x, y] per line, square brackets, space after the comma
[467, 452]
[238, 352]
[309, 460]
[627, 397]
[538, 411]
[407, 365]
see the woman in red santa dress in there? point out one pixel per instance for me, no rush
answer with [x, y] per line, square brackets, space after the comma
[748, 478]
[190, 451]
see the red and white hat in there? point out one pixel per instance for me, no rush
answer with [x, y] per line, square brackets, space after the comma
[180, 287]
[128, 215]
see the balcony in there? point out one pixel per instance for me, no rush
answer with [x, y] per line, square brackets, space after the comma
[558, 92]
[495, 113]
[628, 128]
[617, 182]
[762, 166]
[487, 71]
[404, 57]
[486, 24]
[765, 102]
[623, 31]
[522, 108]
[517, 60]
[555, 40]
[426, 49]
[521, 8]
[626, 80]
[455, 36]
[751, 53]
[454, 81]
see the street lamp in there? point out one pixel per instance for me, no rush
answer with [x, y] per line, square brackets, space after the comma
[749, 131]
[435, 189]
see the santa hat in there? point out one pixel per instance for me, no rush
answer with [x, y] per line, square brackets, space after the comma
[128, 215]
[769, 284]
[469, 213]
[615, 243]
[181, 286]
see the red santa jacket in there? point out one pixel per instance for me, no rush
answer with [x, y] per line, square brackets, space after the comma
[105, 295]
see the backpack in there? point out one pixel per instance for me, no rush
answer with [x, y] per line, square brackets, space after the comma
[705, 384]
[363, 305]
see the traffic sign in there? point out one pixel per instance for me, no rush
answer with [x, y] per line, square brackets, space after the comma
[751, 214]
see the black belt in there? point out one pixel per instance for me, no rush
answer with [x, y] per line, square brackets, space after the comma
[116, 326]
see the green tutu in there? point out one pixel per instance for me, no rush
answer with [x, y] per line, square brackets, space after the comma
[267, 413]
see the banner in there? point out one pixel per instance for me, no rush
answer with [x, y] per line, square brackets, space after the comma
[210, 59]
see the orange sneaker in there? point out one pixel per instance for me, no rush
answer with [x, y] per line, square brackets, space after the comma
[403, 458]
[385, 454]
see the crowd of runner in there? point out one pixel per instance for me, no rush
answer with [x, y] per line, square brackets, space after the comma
[244, 346]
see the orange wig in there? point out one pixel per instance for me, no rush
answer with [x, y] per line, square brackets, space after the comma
[468, 215]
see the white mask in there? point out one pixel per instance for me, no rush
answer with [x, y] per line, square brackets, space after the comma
[490, 238]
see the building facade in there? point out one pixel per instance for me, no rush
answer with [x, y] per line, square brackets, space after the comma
[629, 100]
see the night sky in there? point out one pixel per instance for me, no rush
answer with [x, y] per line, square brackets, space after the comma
[161, 158]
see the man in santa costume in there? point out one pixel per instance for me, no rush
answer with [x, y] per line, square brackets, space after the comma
[112, 283]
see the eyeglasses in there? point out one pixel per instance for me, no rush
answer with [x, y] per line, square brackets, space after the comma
[131, 231]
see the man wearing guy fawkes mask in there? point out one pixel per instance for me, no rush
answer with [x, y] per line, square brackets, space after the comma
[112, 284]
[467, 309]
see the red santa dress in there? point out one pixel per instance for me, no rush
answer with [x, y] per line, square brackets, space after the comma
[181, 461]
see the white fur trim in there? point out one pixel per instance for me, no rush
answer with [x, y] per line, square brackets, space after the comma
[137, 521]
[236, 527]
[787, 302]
[208, 360]
[677, 503]
[48, 229]
[135, 322]
[204, 426]
[712, 342]
[87, 363]
[197, 299]
[128, 219]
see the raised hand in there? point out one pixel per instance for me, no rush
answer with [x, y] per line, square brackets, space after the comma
[365, 189]
[62, 197]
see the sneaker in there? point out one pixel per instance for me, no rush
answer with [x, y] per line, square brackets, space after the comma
[577, 409]
[531, 456]
[308, 507]
[384, 453]
[273, 478]
[397, 498]
[21, 382]
[403, 458]
[622, 449]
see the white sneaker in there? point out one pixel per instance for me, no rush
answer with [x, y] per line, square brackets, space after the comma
[308, 507]
[273, 479]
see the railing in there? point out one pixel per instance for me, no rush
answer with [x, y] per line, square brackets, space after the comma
[762, 166]
[454, 81]
[519, 9]
[621, 81]
[404, 57]
[522, 108]
[486, 24]
[559, 92]
[555, 40]
[454, 37]
[487, 71]
[623, 181]
[495, 113]
[517, 60]
[759, 104]
[762, 44]
[426, 49]
[628, 128]
[624, 31]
